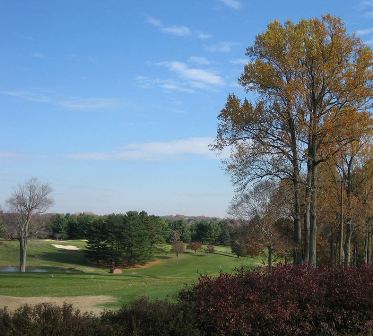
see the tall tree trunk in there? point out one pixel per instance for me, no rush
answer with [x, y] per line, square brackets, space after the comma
[270, 257]
[307, 218]
[331, 251]
[369, 248]
[341, 227]
[22, 254]
[366, 249]
[298, 258]
[347, 244]
[297, 222]
[313, 215]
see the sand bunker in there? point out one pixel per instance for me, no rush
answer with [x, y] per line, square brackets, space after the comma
[83, 303]
[66, 247]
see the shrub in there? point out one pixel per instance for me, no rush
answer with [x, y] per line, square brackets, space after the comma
[194, 246]
[287, 301]
[210, 249]
[143, 318]
[51, 320]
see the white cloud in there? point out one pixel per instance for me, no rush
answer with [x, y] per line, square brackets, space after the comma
[235, 4]
[366, 8]
[195, 75]
[199, 60]
[223, 47]
[71, 103]
[239, 61]
[203, 36]
[150, 151]
[154, 22]
[367, 3]
[166, 84]
[363, 32]
[176, 30]
[39, 55]
[9, 155]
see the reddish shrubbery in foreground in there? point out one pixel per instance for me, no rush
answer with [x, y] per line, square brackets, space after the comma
[287, 301]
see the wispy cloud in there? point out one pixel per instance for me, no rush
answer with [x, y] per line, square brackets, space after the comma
[222, 47]
[366, 7]
[168, 85]
[195, 75]
[10, 155]
[239, 61]
[199, 60]
[152, 151]
[154, 22]
[235, 4]
[186, 78]
[363, 32]
[176, 30]
[39, 55]
[68, 102]
[367, 3]
[203, 36]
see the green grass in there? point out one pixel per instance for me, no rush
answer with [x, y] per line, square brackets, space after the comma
[160, 280]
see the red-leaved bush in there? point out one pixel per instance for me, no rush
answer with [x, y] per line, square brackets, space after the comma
[287, 301]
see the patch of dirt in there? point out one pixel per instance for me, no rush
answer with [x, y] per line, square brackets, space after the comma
[83, 303]
[147, 265]
[66, 247]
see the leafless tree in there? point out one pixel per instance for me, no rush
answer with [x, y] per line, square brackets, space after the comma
[27, 200]
[261, 209]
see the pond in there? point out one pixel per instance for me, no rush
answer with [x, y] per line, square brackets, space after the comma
[15, 269]
[39, 269]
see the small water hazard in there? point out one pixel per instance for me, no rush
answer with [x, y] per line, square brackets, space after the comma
[15, 269]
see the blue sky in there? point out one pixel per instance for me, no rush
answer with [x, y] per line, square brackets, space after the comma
[114, 102]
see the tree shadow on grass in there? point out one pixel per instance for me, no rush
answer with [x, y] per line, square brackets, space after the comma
[63, 257]
[224, 254]
[163, 257]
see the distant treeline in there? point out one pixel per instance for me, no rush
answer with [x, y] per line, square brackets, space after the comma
[207, 230]
[130, 238]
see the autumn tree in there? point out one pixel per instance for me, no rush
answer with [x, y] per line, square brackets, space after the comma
[28, 200]
[311, 80]
[194, 246]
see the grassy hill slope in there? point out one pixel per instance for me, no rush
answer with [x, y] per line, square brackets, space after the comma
[70, 274]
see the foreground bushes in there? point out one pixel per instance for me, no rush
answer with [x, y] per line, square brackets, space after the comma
[141, 318]
[286, 301]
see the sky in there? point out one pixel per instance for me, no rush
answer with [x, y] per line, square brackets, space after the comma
[114, 103]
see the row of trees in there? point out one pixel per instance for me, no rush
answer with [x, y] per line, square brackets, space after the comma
[208, 231]
[308, 126]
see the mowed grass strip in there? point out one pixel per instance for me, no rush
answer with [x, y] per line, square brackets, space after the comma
[160, 280]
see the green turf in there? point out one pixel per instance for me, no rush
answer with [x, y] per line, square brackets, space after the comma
[69, 273]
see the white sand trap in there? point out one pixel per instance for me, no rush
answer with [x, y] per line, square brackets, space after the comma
[83, 303]
[66, 247]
